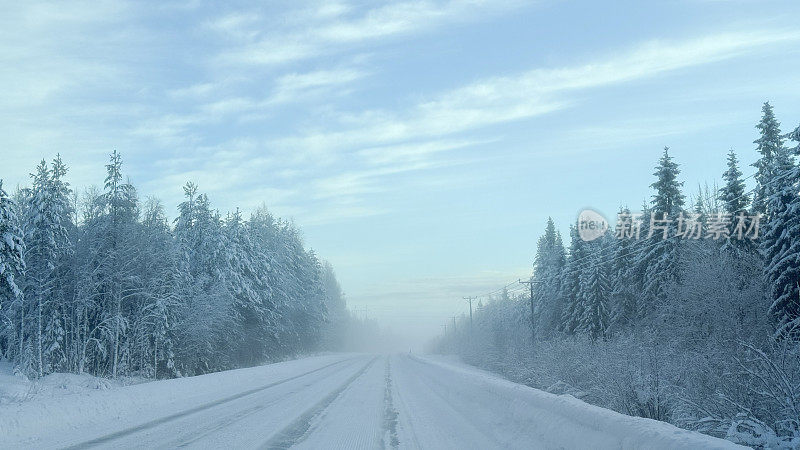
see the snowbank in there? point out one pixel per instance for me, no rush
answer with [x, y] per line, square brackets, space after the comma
[16, 388]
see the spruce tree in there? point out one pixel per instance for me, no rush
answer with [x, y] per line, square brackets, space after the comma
[660, 259]
[547, 267]
[47, 221]
[734, 202]
[120, 284]
[595, 291]
[577, 260]
[668, 198]
[55, 352]
[732, 195]
[770, 146]
[161, 274]
[12, 267]
[622, 280]
[780, 243]
[12, 247]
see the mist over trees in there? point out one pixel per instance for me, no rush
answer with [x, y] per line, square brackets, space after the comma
[102, 283]
[700, 328]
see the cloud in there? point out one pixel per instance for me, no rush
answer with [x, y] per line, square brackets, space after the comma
[297, 86]
[327, 28]
[352, 183]
[382, 144]
[83, 74]
[531, 93]
[195, 91]
[41, 49]
[516, 96]
[413, 152]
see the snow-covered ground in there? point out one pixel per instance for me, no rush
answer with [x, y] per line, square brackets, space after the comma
[15, 388]
[332, 401]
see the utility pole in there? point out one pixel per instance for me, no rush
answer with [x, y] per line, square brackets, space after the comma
[471, 331]
[454, 324]
[470, 299]
[531, 283]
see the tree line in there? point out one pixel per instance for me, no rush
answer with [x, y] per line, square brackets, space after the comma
[701, 332]
[105, 284]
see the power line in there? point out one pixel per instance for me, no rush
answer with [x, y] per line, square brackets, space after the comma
[497, 291]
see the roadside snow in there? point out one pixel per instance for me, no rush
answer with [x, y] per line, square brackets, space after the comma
[17, 388]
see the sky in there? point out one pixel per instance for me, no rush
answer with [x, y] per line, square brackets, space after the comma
[420, 145]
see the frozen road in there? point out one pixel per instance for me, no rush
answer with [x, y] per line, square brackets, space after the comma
[333, 402]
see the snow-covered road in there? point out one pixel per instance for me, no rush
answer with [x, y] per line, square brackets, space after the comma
[333, 401]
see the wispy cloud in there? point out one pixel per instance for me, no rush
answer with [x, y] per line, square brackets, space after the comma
[299, 86]
[413, 152]
[329, 27]
[388, 143]
[41, 49]
[535, 92]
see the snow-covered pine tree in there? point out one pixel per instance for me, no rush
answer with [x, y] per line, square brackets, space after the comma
[732, 194]
[547, 267]
[161, 275]
[246, 280]
[661, 259]
[333, 336]
[701, 208]
[735, 201]
[622, 280]
[577, 260]
[300, 278]
[595, 290]
[185, 231]
[780, 243]
[47, 217]
[12, 267]
[12, 248]
[266, 237]
[639, 262]
[120, 282]
[314, 301]
[668, 198]
[207, 324]
[55, 351]
[770, 146]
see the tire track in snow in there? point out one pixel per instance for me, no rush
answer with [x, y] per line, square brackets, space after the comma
[230, 420]
[153, 423]
[435, 399]
[406, 429]
[296, 431]
[390, 414]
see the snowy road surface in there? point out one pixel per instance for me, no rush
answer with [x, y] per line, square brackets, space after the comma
[333, 402]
